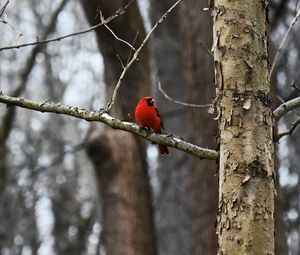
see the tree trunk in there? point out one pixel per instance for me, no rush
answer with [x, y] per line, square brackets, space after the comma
[119, 157]
[246, 183]
[197, 67]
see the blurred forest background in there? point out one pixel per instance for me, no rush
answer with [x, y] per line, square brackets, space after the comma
[72, 187]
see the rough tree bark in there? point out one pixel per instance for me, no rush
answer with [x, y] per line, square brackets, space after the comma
[197, 66]
[119, 157]
[246, 183]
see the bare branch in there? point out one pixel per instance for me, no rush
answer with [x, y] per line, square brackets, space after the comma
[121, 62]
[114, 35]
[295, 86]
[4, 8]
[9, 117]
[296, 7]
[59, 38]
[286, 107]
[168, 140]
[280, 49]
[207, 49]
[177, 101]
[280, 99]
[135, 55]
[4, 20]
[291, 130]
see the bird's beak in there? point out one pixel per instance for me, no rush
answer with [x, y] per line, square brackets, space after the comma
[152, 101]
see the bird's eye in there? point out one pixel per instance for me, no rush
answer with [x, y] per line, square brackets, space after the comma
[150, 101]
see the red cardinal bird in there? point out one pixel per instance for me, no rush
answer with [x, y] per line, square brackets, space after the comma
[147, 115]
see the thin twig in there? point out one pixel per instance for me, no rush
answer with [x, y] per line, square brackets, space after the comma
[133, 42]
[286, 107]
[18, 33]
[291, 130]
[280, 99]
[121, 62]
[280, 49]
[112, 32]
[130, 52]
[59, 38]
[103, 117]
[177, 101]
[4, 8]
[5, 21]
[8, 118]
[296, 7]
[295, 86]
[207, 49]
[135, 55]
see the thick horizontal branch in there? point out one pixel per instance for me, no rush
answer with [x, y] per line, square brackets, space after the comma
[168, 140]
[286, 107]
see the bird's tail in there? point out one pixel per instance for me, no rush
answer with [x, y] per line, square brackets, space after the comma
[163, 149]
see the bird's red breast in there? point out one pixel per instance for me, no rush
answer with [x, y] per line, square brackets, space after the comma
[147, 115]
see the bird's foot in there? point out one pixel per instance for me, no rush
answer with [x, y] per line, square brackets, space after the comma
[150, 130]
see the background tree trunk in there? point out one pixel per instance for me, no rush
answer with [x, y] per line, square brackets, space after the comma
[119, 158]
[246, 199]
[279, 13]
[197, 66]
[183, 63]
[49, 199]
[172, 219]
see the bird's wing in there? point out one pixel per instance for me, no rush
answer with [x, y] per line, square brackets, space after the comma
[161, 121]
